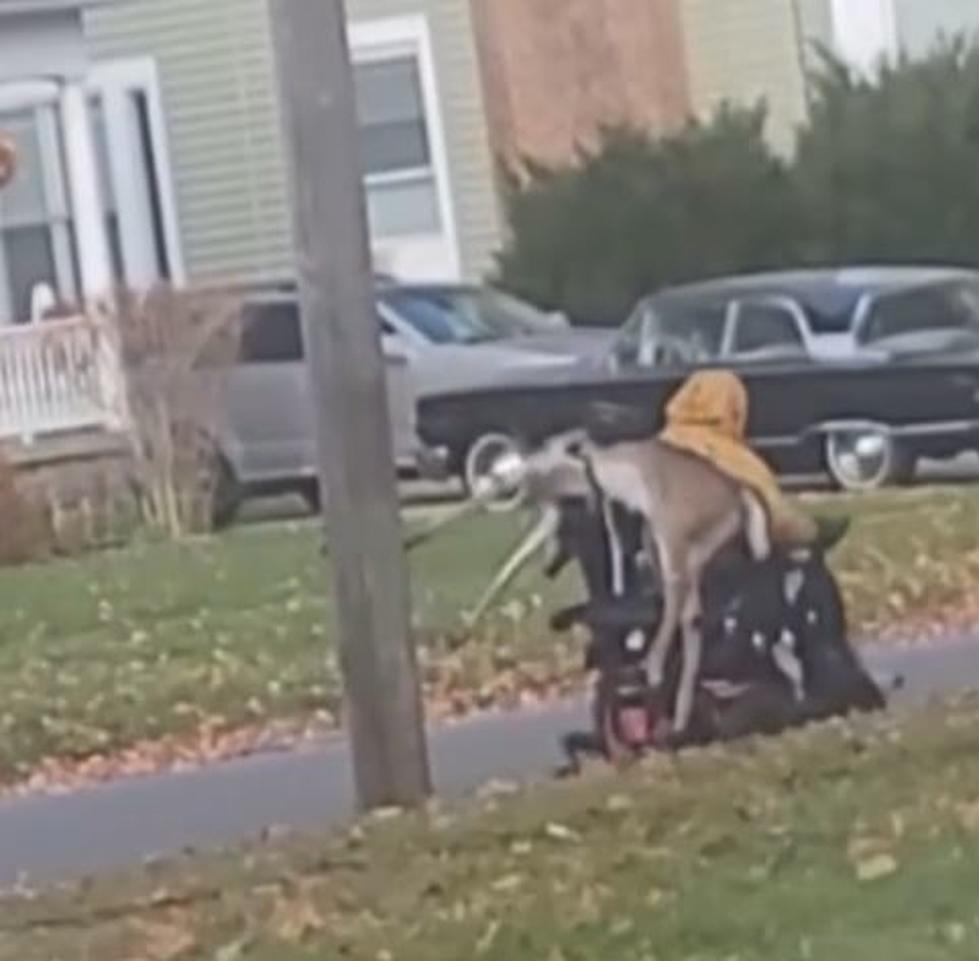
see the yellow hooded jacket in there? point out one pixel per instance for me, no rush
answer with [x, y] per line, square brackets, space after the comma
[708, 416]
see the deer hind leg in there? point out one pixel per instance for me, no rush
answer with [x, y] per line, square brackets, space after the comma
[697, 558]
[757, 525]
[674, 581]
[692, 654]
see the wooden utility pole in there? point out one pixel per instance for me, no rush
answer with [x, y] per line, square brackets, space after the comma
[346, 369]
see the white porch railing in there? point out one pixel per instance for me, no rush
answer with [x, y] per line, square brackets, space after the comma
[58, 376]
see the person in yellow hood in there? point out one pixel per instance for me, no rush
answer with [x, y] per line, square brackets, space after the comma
[708, 416]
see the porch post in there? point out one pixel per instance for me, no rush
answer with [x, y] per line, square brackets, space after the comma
[91, 237]
[92, 244]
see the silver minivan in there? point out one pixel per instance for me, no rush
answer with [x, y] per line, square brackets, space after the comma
[434, 338]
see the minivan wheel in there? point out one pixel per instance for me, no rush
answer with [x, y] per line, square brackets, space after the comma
[867, 459]
[480, 458]
[311, 495]
[227, 495]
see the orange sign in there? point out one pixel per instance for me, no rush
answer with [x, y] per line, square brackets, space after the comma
[8, 159]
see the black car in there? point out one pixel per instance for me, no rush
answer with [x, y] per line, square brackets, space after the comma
[857, 372]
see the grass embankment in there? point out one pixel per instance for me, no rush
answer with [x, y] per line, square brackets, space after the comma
[157, 641]
[833, 844]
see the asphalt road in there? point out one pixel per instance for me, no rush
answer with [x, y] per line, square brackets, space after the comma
[46, 839]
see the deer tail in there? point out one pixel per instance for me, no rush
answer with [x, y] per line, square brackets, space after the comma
[757, 525]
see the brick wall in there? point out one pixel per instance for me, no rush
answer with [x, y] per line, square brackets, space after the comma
[556, 71]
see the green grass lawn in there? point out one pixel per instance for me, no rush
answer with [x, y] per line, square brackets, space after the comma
[100, 653]
[840, 843]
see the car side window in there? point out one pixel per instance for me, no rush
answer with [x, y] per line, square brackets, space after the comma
[682, 335]
[929, 309]
[271, 334]
[762, 329]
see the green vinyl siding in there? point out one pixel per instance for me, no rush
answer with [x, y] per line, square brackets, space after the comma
[218, 86]
[751, 51]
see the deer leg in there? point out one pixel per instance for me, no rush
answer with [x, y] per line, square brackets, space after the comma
[692, 653]
[674, 589]
[616, 558]
[696, 559]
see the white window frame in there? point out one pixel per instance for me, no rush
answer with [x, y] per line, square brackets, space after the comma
[140, 75]
[378, 40]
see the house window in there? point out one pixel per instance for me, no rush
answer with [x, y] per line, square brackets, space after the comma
[402, 194]
[271, 334]
[36, 234]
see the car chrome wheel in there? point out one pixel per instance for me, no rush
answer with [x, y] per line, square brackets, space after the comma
[481, 458]
[864, 458]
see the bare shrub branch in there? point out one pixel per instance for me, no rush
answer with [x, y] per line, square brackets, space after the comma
[177, 348]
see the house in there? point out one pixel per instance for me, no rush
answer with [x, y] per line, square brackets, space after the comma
[182, 100]
[149, 133]
[148, 136]
[197, 83]
[185, 124]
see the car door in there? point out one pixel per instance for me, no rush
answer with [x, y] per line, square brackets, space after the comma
[269, 404]
[272, 427]
[400, 357]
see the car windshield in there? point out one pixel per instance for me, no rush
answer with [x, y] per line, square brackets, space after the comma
[465, 315]
[660, 333]
[926, 319]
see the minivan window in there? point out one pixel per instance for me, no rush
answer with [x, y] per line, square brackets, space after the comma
[464, 315]
[271, 334]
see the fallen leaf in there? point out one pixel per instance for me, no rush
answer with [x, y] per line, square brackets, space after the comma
[497, 788]
[509, 882]
[165, 942]
[295, 920]
[656, 897]
[488, 938]
[955, 932]
[876, 867]
[968, 815]
[558, 832]
[621, 927]
[233, 950]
